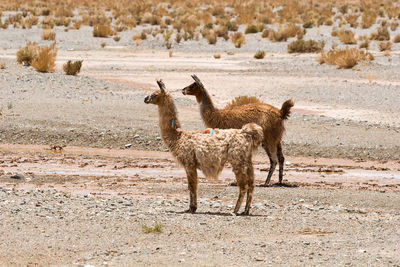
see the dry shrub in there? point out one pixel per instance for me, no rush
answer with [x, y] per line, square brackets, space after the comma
[368, 19]
[344, 58]
[222, 31]
[381, 34]
[48, 34]
[385, 46]
[117, 38]
[285, 32]
[29, 22]
[308, 24]
[72, 68]
[26, 54]
[347, 37]
[46, 57]
[301, 46]
[238, 39]
[232, 26]
[48, 23]
[260, 54]
[251, 29]
[211, 37]
[265, 33]
[394, 25]
[103, 44]
[3, 65]
[62, 21]
[396, 38]
[364, 44]
[352, 20]
[242, 100]
[102, 30]
[217, 56]
[77, 24]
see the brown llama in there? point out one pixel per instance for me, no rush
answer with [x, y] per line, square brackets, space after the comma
[208, 150]
[235, 116]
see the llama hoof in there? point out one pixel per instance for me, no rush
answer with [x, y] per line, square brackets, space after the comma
[265, 185]
[233, 184]
[245, 213]
[191, 210]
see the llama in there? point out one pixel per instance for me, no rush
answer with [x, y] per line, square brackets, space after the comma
[235, 116]
[208, 150]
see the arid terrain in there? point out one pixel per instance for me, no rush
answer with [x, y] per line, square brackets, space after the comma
[85, 179]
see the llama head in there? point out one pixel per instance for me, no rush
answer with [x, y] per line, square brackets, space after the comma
[158, 96]
[196, 88]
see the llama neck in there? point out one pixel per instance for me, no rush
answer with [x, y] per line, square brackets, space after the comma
[169, 123]
[209, 113]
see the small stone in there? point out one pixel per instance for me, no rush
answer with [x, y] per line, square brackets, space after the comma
[128, 145]
[17, 176]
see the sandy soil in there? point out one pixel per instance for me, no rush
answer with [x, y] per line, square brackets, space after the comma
[86, 204]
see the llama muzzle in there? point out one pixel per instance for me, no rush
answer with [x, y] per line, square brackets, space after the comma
[147, 99]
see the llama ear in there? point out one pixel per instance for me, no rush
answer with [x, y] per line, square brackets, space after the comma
[162, 86]
[197, 80]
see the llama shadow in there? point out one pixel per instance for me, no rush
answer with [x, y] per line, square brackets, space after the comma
[216, 213]
[271, 185]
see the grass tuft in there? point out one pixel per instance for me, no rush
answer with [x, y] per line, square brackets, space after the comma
[157, 228]
[72, 68]
[345, 58]
[259, 54]
[238, 39]
[301, 46]
[46, 57]
[26, 54]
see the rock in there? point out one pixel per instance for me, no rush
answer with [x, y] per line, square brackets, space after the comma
[128, 145]
[17, 176]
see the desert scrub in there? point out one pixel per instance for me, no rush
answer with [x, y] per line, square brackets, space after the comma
[45, 59]
[385, 46]
[284, 32]
[238, 39]
[48, 34]
[100, 30]
[3, 65]
[347, 37]
[301, 46]
[260, 54]
[344, 58]
[157, 228]
[251, 29]
[396, 38]
[381, 34]
[26, 54]
[368, 19]
[72, 68]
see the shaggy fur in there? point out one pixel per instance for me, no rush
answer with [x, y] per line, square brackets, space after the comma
[208, 150]
[268, 117]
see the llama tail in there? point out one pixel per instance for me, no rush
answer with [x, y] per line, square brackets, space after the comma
[256, 133]
[285, 109]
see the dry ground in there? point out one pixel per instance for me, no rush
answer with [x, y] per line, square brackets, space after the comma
[86, 204]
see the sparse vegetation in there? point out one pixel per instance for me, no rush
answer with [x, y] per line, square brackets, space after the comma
[260, 54]
[344, 58]
[48, 34]
[157, 228]
[100, 30]
[26, 54]
[385, 46]
[72, 67]
[396, 38]
[45, 59]
[3, 65]
[301, 46]
[347, 37]
[381, 34]
[238, 39]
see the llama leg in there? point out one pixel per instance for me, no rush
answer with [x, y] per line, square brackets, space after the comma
[250, 175]
[273, 158]
[281, 160]
[192, 185]
[241, 180]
